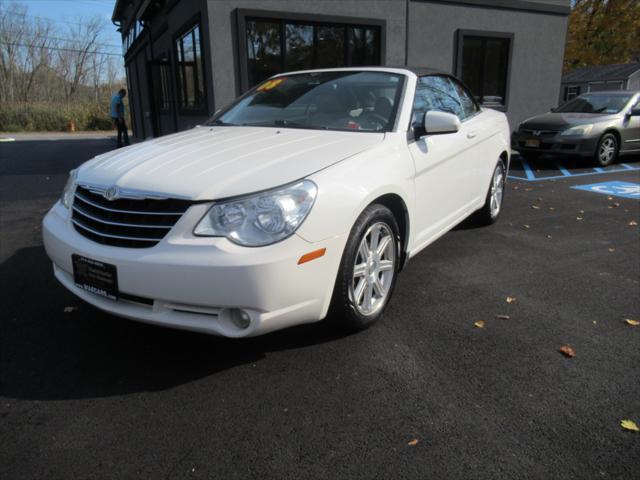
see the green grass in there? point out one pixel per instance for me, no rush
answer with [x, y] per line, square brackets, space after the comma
[44, 117]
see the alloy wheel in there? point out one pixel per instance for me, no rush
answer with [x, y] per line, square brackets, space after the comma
[374, 269]
[607, 150]
[497, 191]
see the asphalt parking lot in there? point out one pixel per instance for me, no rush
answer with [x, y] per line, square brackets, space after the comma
[423, 394]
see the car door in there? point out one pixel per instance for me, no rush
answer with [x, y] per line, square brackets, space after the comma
[481, 158]
[444, 190]
[630, 132]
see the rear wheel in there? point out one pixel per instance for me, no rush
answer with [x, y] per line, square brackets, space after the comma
[490, 212]
[607, 150]
[368, 270]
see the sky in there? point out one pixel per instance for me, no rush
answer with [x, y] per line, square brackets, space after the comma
[61, 12]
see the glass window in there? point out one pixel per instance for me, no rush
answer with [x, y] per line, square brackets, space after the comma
[571, 92]
[435, 93]
[484, 67]
[264, 50]
[299, 47]
[469, 106]
[596, 103]
[363, 46]
[350, 101]
[330, 45]
[189, 61]
[306, 45]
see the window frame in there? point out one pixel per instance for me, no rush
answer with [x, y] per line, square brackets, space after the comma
[245, 15]
[181, 32]
[457, 63]
[574, 90]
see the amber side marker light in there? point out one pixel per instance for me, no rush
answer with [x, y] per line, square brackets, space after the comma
[307, 257]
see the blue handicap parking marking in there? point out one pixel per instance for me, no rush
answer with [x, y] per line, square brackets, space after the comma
[617, 189]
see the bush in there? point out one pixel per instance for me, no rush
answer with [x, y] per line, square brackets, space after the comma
[44, 117]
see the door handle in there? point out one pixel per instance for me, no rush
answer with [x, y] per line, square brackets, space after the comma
[472, 134]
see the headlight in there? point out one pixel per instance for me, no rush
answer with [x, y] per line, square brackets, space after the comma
[69, 189]
[578, 130]
[260, 219]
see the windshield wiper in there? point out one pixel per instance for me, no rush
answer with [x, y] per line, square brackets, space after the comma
[220, 123]
[284, 123]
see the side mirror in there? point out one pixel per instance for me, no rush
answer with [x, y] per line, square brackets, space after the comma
[635, 112]
[439, 123]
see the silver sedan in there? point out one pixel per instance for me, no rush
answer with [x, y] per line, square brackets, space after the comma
[599, 125]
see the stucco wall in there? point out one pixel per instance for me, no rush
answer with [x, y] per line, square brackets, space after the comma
[538, 48]
[223, 37]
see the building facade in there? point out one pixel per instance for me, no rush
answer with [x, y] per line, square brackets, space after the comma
[598, 78]
[185, 59]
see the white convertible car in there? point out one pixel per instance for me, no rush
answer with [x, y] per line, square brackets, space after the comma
[306, 196]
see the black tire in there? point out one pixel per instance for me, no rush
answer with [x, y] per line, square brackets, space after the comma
[345, 312]
[488, 215]
[607, 151]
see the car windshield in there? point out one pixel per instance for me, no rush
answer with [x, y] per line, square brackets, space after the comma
[339, 100]
[595, 103]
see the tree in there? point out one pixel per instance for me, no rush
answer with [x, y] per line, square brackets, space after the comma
[602, 32]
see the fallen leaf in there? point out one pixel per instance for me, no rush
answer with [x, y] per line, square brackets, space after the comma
[612, 249]
[515, 187]
[526, 226]
[629, 425]
[535, 207]
[549, 236]
[578, 218]
[528, 189]
[413, 443]
[581, 212]
[70, 309]
[511, 300]
[595, 323]
[503, 317]
[479, 324]
[539, 199]
[567, 351]
[552, 209]
[632, 223]
[633, 323]
[609, 197]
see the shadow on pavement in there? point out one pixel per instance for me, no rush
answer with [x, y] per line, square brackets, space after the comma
[47, 354]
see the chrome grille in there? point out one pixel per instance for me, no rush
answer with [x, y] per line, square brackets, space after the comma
[539, 133]
[124, 222]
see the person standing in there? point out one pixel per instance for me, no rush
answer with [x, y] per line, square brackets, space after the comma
[117, 114]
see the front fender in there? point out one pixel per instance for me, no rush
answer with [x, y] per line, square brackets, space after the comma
[347, 188]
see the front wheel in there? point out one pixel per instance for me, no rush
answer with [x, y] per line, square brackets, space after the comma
[368, 270]
[607, 151]
[490, 212]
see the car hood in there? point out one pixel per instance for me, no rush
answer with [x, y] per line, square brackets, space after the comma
[207, 163]
[560, 121]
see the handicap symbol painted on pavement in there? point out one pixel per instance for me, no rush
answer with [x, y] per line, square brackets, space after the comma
[617, 189]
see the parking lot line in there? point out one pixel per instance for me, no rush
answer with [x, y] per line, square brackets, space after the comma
[530, 175]
[564, 171]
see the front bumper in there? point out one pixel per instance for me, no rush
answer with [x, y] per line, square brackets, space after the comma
[191, 283]
[555, 144]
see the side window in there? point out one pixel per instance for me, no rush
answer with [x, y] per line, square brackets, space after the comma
[436, 93]
[468, 104]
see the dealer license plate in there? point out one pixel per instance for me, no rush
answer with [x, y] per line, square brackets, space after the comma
[96, 277]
